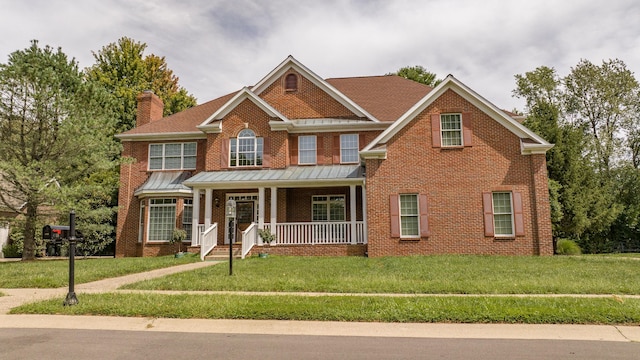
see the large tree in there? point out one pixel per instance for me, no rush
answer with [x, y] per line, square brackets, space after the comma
[419, 74]
[56, 131]
[122, 68]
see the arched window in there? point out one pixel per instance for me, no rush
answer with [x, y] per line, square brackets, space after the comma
[246, 149]
[291, 82]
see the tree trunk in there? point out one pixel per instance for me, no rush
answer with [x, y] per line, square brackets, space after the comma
[29, 247]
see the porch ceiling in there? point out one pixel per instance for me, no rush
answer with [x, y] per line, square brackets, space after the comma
[293, 176]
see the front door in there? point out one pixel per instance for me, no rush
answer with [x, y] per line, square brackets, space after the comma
[244, 216]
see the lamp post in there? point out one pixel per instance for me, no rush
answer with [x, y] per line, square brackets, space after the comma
[71, 298]
[231, 228]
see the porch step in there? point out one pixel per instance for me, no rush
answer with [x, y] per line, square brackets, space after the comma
[222, 253]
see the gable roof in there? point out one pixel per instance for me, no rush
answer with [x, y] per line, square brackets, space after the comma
[386, 97]
[534, 144]
[291, 63]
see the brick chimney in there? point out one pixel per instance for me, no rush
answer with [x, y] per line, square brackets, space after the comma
[150, 108]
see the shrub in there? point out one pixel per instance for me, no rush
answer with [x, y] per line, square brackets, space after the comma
[567, 247]
[13, 250]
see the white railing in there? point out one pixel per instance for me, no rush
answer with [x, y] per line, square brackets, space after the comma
[249, 237]
[209, 240]
[317, 233]
[198, 240]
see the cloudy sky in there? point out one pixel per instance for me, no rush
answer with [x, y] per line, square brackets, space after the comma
[218, 46]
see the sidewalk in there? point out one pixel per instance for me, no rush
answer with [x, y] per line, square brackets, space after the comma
[16, 297]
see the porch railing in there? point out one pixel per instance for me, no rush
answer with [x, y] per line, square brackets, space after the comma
[249, 238]
[209, 240]
[317, 233]
[198, 240]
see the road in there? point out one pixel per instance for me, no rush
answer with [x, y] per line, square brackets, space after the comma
[55, 344]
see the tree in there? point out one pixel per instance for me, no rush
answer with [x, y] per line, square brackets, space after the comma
[123, 70]
[419, 74]
[56, 131]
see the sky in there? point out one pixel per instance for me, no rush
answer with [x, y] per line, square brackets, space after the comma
[218, 46]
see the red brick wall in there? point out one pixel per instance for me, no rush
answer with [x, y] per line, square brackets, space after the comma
[454, 180]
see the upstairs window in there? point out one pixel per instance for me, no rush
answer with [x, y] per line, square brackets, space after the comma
[246, 149]
[307, 150]
[349, 148]
[291, 82]
[172, 156]
[451, 127]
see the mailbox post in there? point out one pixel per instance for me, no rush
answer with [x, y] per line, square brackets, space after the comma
[71, 296]
[230, 214]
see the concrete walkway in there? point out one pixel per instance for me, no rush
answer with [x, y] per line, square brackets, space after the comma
[16, 297]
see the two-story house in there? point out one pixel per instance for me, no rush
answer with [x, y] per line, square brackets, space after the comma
[376, 165]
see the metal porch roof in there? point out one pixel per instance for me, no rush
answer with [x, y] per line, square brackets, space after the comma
[291, 176]
[164, 182]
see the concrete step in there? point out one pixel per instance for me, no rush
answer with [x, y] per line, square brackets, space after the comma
[222, 253]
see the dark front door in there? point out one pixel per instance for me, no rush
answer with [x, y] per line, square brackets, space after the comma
[244, 216]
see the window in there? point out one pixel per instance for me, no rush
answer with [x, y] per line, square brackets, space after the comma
[503, 214]
[451, 127]
[187, 217]
[349, 148]
[162, 219]
[291, 82]
[307, 149]
[409, 216]
[172, 156]
[141, 222]
[246, 149]
[328, 208]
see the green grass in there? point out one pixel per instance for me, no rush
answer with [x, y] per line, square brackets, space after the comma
[415, 275]
[55, 273]
[530, 310]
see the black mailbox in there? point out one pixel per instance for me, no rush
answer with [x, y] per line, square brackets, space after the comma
[55, 232]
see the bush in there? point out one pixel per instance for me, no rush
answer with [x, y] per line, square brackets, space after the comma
[567, 247]
[13, 250]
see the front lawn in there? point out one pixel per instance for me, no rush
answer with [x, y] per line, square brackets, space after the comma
[455, 309]
[55, 273]
[415, 274]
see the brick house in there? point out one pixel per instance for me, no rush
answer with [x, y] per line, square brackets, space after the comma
[374, 165]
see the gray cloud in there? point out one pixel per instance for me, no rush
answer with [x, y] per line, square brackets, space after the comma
[216, 47]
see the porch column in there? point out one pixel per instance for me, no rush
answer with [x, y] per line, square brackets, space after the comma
[352, 207]
[365, 230]
[207, 208]
[195, 217]
[261, 208]
[274, 210]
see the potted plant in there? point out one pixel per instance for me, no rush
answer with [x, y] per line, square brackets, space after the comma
[267, 238]
[177, 237]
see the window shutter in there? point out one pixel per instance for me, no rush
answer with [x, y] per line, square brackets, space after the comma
[336, 149]
[518, 216]
[319, 150]
[424, 215]
[487, 204]
[293, 150]
[435, 131]
[394, 215]
[266, 152]
[467, 132]
[224, 154]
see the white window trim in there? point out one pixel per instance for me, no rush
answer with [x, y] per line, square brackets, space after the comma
[357, 148]
[511, 213]
[151, 205]
[187, 203]
[328, 201]
[256, 154]
[443, 130]
[315, 150]
[164, 156]
[401, 215]
[142, 221]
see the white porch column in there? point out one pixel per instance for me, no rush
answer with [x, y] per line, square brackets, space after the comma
[208, 194]
[365, 230]
[352, 206]
[274, 210]
[261, 208]
[195, 218]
